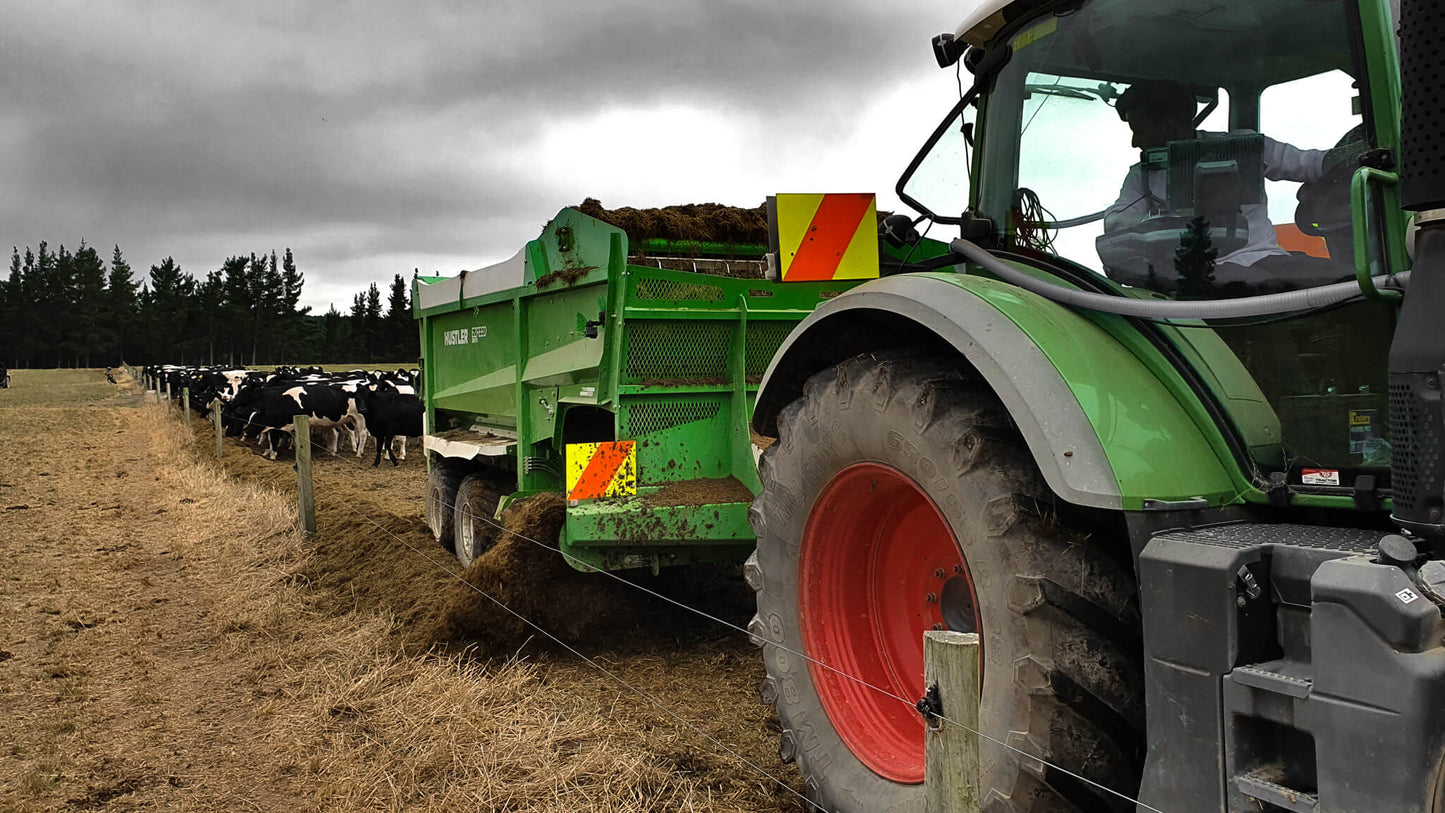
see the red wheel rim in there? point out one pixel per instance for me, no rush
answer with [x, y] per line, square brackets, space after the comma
[878, 566]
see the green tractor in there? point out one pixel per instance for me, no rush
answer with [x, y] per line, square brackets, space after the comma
[1162, 425]
[1141, 427]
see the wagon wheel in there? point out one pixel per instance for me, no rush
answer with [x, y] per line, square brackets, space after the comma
[473, 518]
[441, 495]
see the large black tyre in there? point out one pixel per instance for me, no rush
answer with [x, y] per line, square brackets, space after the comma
[441, 495]
[474, 518]
[1057, 612]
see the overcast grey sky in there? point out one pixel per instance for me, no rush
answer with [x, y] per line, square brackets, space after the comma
[377, 137]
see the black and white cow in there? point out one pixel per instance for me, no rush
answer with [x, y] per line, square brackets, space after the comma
[327, 408]
[269, 410]
[391, 414]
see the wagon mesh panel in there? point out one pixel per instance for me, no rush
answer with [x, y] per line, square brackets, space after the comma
[656, 416]
[686, 350]
[653, 289]
[764, 339]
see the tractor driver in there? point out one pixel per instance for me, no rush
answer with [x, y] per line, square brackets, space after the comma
[1158, 112]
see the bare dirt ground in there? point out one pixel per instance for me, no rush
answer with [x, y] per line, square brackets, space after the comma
[169, 641]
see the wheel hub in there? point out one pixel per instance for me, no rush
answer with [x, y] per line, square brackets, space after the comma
[878, 565]
[465, 533]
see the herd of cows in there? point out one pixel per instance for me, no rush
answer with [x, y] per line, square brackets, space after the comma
[263, 405]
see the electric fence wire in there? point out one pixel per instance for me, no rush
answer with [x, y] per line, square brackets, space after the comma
[715, 619]
[589, 661]
[705, 615]
[835, 670]
[599, 667]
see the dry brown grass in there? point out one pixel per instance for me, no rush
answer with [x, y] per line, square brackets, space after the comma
[169, 641]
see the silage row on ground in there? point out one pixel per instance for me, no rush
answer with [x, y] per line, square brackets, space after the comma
[202, 664]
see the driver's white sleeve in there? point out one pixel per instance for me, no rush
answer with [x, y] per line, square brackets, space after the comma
[1131, 198]
[1284, 162]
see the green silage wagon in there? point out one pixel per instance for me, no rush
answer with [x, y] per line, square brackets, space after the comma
[585, 339]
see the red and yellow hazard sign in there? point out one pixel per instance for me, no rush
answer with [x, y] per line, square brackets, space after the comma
[824, 237]
[601, 469]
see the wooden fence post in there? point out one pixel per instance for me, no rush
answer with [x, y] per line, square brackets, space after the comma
[306, 501]
[186, 403]
[950, 665]
[216, 419]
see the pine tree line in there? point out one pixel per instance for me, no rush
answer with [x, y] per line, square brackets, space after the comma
[64, 309]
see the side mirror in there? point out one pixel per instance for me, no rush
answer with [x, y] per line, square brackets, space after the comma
[947, 50]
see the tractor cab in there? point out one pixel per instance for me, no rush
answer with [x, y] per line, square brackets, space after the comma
[1170, 445]
[1192, 149]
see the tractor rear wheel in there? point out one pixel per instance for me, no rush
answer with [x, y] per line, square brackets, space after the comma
[900, 499]
[441, 495]
[473, 520]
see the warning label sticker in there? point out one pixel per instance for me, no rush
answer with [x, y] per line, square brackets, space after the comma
[1320, 477]
[1365, 426]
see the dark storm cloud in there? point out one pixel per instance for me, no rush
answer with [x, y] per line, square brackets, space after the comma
[769, 56]
[363, 129]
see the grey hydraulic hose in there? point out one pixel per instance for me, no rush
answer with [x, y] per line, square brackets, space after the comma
[1264, 305]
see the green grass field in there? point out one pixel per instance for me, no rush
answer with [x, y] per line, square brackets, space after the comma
[62, 387]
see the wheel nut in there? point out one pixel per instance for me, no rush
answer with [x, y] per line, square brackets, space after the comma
[787, 746]
[931, 598]
[958, 568]
[938, 627]
[939, 573]
[768, 692]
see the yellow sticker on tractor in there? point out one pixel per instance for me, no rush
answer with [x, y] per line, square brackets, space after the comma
[1036, 33]
[596, 470]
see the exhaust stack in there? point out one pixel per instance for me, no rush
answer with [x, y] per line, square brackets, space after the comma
[1417, 353]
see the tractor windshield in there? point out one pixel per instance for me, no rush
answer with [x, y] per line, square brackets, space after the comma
[1204, 150]
[1145, 127]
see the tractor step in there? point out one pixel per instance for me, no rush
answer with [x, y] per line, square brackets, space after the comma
[1253, 535]
[1273, 677]
[1259, 784]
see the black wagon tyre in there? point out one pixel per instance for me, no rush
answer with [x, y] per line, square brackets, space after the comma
[473, 519]
[899, 499]
[441, 495]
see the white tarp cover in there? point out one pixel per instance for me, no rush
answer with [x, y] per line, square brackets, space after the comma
[509, 273]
